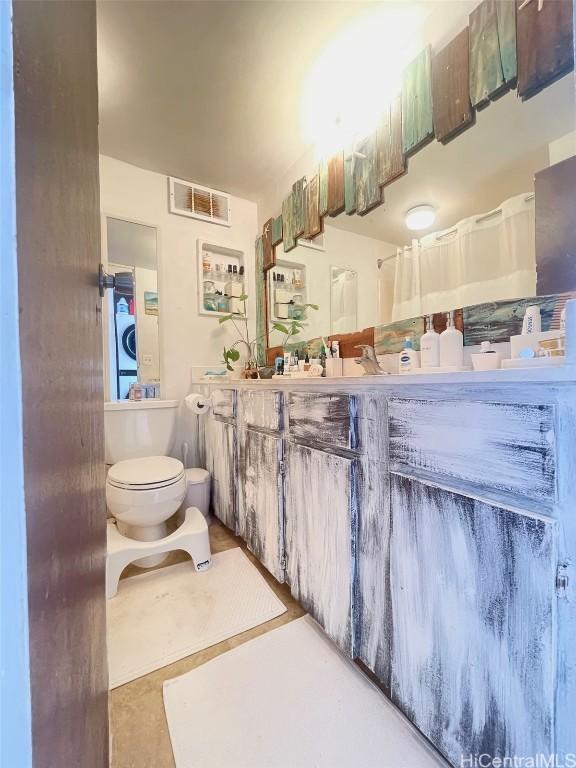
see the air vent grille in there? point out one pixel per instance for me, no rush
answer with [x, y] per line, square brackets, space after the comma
[188, 199]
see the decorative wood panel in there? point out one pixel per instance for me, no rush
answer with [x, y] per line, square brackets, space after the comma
[277, 231]
[313, 221]
[349, 183]
[373, 609]
[288, 224]
[555, 189]
[506, 14]
[366, 176]
[417, 124]
[261, 302]
[220, 462]
[320, 524]
[262, 410]
[326, 418]
[323, 191]
[486, 73]
[497, 448]
[545, 44]
[390, 338]
[268, 256]
[260, 518]
[299, 207]
[450, 88]
[336, 184]
[392, 162]
[474, 623]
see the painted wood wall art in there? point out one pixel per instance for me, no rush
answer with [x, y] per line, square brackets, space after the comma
[556, 228]
[268, 255]
[260, 508]
[323, 190]
[314, 223]
[545, 44]
[288, 228]
[369, 194]
[349, 184]
[277, 231]
[468, 579]
[452, 109]
[390, 338]
[392, 162]
[261, 318]
[336, 184]
[506, 13]
[320, 537]
[487, 79]
[417, 123]
[299, 205]
[511, 444]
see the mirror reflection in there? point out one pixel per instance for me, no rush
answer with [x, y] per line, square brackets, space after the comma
[132, 344]
[476, 241]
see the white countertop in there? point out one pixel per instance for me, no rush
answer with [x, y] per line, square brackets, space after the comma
[561, 374]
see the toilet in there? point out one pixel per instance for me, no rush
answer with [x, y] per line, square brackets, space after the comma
[144, 486]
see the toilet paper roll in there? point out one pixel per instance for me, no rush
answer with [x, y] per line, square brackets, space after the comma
[197, 403]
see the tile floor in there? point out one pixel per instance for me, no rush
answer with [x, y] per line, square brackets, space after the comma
[138, 725]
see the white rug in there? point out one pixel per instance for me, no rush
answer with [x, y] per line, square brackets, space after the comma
[287, 699]
[167, 614]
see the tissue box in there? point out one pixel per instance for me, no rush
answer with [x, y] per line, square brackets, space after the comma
[282, 296]
[532, 341]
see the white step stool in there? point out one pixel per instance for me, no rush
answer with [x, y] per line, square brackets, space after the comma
[191, 536]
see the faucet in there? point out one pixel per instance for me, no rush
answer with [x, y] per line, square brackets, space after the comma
[368, 361]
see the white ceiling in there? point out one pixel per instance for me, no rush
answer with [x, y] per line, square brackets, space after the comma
[210, 91]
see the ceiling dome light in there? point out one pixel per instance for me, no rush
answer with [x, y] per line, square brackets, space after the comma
[420, 217]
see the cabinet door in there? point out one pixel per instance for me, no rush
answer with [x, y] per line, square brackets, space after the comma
[260, 499]
[320, 520]
[220, 462]
[474, 622]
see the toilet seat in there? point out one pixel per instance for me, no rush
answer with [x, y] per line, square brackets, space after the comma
[146, 474]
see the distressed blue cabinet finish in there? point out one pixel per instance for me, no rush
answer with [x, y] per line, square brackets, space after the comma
[260, 502]
[501, 449]
[220, 439]
[320, 534]
[224, 403]
[329, 419]
[262, 410]
[474, 622]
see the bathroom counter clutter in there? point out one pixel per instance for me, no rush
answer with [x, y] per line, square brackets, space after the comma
[341, 486]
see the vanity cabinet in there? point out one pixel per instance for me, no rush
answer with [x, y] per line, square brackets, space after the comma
[220, 456]
[474, 622]
[320, 520]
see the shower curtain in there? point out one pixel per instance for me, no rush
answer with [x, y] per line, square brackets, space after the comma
[483, 258]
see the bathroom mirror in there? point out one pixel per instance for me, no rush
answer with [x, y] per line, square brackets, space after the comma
[480, 246]
[132, 347]
[343, 300]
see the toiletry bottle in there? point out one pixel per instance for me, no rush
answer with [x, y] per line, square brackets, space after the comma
[323, 359]
[451, 345]
[532, 320]
[306, 362]
[408, 360]
[430, 346]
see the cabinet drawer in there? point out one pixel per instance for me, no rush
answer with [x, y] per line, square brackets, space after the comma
[262, 410]
[224, 403]
[323, 418]
[498, 448]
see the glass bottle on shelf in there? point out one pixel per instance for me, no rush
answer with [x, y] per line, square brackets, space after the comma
[206, 266]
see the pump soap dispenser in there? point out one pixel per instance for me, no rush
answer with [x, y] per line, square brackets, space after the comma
[430, 346]
[451, 345]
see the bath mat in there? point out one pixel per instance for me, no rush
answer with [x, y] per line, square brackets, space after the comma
[167, 614]
[287, 699]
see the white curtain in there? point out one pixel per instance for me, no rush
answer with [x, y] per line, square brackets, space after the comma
[483, 258]
[344, 301]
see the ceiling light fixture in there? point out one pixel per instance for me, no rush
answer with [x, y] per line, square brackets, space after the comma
[420, 217]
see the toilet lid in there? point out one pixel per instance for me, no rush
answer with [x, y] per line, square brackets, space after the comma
[148, 471]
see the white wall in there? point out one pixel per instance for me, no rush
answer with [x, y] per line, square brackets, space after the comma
[343, 249]
[187, 339]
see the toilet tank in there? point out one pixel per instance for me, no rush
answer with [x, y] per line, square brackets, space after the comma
[134, 429]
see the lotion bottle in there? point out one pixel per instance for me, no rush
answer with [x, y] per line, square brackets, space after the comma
[408, 357]
[451, 345]
[430, 347]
